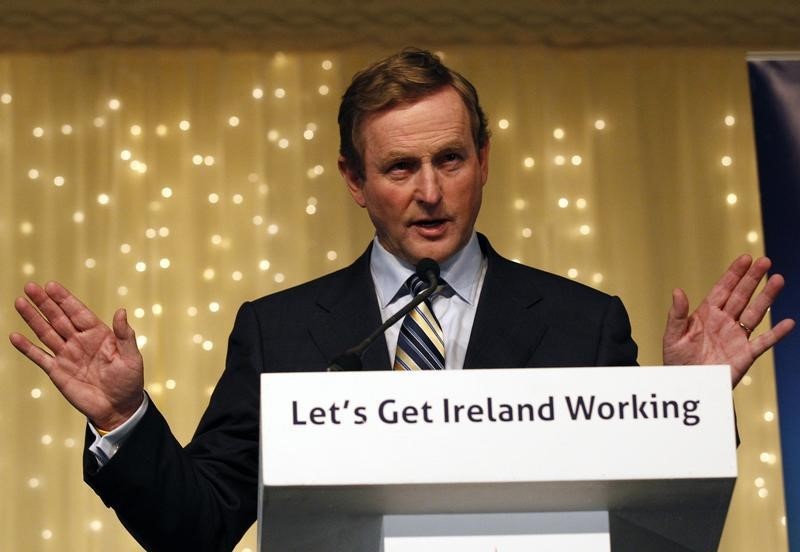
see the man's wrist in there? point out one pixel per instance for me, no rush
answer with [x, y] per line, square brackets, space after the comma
[114, 422]
[106, 444]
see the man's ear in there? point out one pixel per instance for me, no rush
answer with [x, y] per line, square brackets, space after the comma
[353, 180]
[483, 159]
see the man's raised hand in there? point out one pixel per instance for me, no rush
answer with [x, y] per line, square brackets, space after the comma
[719, 330]
[99, 370]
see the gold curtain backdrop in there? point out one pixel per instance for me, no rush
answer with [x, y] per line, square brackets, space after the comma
[180, 183]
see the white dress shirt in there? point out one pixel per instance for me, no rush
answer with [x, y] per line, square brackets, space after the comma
[454, 305]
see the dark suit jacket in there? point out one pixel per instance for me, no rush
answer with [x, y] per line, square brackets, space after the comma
[203, 496]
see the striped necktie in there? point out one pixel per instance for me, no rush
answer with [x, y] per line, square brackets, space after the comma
[420, 345]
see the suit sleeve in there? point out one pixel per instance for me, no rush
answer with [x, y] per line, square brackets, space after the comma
[202, 496]
[616, 346]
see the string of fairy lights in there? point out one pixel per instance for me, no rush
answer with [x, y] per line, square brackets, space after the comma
[228, 256]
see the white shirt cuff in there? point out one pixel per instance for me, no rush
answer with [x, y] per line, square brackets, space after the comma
[106, 446]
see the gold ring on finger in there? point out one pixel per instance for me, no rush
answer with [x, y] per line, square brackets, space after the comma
[747, 330]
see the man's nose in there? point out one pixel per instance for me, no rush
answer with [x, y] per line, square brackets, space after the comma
[429, 188]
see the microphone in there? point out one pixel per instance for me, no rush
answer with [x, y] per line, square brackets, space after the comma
[350, 360]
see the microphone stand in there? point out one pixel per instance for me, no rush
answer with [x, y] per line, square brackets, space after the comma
[350, 360]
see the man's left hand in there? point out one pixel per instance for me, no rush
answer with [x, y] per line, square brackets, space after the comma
[719, 331]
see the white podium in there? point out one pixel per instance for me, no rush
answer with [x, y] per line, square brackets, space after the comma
[631, 458]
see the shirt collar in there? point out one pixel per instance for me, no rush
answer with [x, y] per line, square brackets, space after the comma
[461, 272]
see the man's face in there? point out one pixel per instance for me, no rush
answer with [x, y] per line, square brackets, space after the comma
[423, 177]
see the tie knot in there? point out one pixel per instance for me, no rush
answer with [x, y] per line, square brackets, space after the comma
[416, 285]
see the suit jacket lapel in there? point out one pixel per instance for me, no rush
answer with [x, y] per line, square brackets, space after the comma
[507, 328]
[347, 312]
[506, 331]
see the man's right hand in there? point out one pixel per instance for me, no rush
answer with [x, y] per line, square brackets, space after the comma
[99, 370]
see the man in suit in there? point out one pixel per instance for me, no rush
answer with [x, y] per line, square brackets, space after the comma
[415, 154]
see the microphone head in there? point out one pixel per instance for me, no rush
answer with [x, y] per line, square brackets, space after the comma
[426, 265]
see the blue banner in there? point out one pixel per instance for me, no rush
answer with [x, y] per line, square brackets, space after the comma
[775, 95]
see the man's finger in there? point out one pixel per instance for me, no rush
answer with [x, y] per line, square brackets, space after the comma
[677, 317]
[743, 292]
[50, 310]
[40, 326]
[719, 294]
[126, 337]
[79, 314]
[40, 357]
[771, 337]
[757, 309]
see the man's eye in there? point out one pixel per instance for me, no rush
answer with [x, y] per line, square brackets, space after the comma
[400, 166]
[452, 158]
